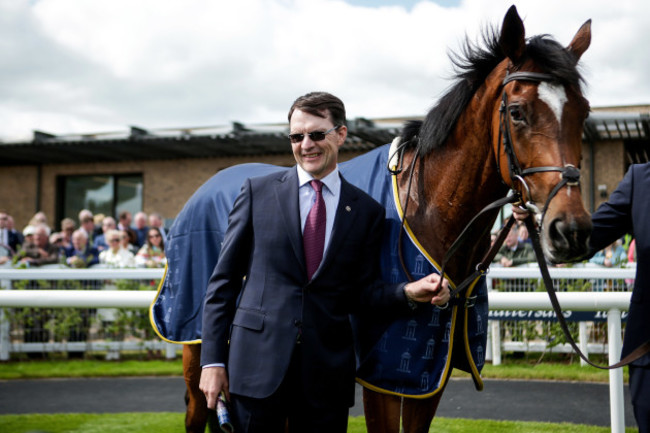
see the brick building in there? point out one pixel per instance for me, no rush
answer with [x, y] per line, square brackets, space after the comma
[159, 170]
[153, 171]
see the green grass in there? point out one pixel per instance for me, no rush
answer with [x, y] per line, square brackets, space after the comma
[166, 422]
[553, 368]
[42, 369]
[557, 367]
[528, 370]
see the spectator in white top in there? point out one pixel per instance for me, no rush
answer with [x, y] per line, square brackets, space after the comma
[116, 256]
[108, 224]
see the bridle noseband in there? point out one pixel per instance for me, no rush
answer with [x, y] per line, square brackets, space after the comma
[570, 175]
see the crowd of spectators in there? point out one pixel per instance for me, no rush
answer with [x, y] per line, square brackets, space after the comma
[97, 240]
[139, 241]
[517, 250]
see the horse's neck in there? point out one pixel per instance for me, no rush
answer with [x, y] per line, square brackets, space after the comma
[449, 187]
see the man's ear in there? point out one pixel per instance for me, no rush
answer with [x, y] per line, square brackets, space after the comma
[342, 133]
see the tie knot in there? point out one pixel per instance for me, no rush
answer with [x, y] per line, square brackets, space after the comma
[317, 185]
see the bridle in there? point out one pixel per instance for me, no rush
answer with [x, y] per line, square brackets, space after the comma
[570, 175]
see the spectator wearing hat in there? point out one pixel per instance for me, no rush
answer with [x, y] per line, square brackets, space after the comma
[37, 250]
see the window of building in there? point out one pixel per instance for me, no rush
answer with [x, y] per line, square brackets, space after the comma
[106, 194]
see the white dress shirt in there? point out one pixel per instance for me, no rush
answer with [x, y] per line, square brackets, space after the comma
[331, 194]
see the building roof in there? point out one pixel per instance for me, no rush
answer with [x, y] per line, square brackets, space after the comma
[239, 140]
[632, 128]
[141, 144]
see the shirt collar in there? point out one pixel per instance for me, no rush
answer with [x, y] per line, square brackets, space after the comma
[332, 181]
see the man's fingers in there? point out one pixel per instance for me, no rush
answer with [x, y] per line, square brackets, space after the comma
[226, 392]
[211, 398]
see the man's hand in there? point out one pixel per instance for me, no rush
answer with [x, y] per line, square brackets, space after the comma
[520, 213]
[425, 290]
[214, 380]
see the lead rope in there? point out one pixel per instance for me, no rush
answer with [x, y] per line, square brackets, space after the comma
[550, 289]
[400, 252]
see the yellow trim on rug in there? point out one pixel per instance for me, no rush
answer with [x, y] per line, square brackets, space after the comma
[153, 323]
[446, 373]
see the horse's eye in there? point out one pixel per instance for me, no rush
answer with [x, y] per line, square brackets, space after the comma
[515, 113]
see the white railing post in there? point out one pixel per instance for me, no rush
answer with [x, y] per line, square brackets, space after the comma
[583, 341]
[4, 326]
[488, 343]
[617, 410]
[496, 342]
[170, 350]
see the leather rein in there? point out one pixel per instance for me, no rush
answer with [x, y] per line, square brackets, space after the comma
[570, 175]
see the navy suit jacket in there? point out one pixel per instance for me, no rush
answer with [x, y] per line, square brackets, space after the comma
[90, 255]
[15, 239]
[628, 211]
[259, 297]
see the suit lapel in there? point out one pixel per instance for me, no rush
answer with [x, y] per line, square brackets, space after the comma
[346, 214]
[286, 194]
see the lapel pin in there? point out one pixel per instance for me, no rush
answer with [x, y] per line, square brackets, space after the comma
[348, 208]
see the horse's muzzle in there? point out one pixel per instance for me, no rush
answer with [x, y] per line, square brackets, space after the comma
[567, 239]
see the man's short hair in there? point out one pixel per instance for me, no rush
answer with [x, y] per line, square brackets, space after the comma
[68, 223]
[320, 104]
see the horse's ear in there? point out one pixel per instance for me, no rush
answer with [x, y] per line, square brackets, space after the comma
[581, 40]
[513, 35]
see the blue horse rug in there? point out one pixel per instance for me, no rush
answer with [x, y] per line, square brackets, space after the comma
[412, 356]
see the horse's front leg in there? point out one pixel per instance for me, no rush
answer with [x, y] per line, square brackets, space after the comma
[384, 411]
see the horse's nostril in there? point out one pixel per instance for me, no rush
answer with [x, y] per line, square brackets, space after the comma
[569, 240]
[557, 234]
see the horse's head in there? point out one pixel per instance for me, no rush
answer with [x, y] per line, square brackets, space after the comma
[538, 133]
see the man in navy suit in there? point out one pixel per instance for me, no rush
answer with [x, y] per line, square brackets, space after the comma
[275, 340]
[9, 237]
[628, 211]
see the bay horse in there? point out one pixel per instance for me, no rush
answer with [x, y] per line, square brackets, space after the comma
[512, 121]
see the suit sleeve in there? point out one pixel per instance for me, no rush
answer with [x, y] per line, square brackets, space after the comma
[613, 219]
[225, 283]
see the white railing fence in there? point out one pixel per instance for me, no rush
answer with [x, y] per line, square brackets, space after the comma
[611, 304]
[104, 297]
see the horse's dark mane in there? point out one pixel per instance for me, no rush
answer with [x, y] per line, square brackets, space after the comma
[471, 69]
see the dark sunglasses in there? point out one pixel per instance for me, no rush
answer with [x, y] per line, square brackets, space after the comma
[314, 136]
[113, 240]
[154, 236]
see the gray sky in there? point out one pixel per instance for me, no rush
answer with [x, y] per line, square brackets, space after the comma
[83, 66]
